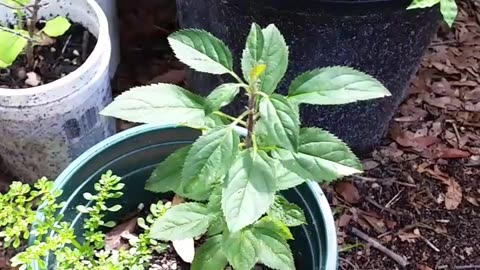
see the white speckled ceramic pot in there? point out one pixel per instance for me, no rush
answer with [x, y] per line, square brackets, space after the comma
[44, 128]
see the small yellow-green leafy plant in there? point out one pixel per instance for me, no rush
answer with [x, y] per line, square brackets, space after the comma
[234, 182]
[24, 35]
[19, 221]
[448, 8]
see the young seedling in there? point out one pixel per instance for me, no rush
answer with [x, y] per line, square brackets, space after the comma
[16, 40]
[235, 181]
[448, 8]
[19, 220]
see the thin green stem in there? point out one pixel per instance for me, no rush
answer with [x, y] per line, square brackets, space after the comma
[229, 117]
[236, 77]
[75, 243]
[251, 118]
[239, 119]
[11, 31]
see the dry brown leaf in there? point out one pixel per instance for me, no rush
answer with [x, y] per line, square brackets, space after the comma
[369, 164]
[172, 76]
[442, 151]
[472, 200]
[348, 192]
[408, 237]
[344, 220]
[113, 239]
[423, 267]
[453, 197]
[377, 224]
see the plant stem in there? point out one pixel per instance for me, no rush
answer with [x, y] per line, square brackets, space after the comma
[251, 118]
[11, 31]
[229, 117]
[75, 243]
[31, 32]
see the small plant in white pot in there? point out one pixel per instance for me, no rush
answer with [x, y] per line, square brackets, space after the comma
[54, 60]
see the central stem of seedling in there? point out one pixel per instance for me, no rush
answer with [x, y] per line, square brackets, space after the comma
[31, 32]
[251, 119]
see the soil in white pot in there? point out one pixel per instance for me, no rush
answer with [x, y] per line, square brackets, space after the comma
[52, 62]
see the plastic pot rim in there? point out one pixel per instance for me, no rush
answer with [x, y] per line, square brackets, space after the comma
[330, 229]
[102, 47]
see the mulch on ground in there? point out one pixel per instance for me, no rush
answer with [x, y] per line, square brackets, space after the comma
[420, 195]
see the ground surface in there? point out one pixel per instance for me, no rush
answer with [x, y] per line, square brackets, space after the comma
[420, 196]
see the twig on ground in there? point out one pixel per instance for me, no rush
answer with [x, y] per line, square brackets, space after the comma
[463, 267]
[349, 263]
[394, 199]
[372, 201]
[430, 244]
[66, 44]
[399, 259]
[371, 179]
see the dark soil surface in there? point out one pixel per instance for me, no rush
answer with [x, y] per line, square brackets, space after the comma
[420, 196]
[52, 62]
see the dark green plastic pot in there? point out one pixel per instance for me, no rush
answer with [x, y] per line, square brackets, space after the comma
[134, 153]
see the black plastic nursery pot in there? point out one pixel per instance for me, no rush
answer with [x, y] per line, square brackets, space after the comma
[134, 153]
[379, 37]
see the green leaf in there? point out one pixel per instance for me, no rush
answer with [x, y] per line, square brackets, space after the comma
[449, 11]
[17, 3]
[11, 46]
[276, 226]
[252, 53]
[288, 213]
[115, 208]
[211, 155]
[210, 255]
[167, 175]
[161, 104]
[186, 220]
[269, 49]
[201, 51]
[56, 27]
[335, 85]
[423, 4]
[272, 250]
[222, 96]
[320, 157]
[239, 248]
[249, 189]
[286, 179]
[279, 122]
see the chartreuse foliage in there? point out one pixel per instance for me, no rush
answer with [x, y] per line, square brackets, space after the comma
[19, 220]
[448, 8]
[235, 181]
[13, 41]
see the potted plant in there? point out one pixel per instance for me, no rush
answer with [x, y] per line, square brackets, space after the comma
[110, 9]
[381, 38]
[54, 80]
[243, 188]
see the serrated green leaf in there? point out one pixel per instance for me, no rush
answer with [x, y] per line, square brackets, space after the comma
[201, 51]
[272, 250]
[279, 122]
[286, 179]
[422, 4]
[239, 249]
[320, 157]
[335, 85]
[167, 175]
[161, 104]
[222, 96]
[274, 54]
[210, 255]
[211, 155]
[252, 53]
[274, 225]
[449, 11]
[11, 46]
[249, 189]
[186, 220]
[56, 27]
[290, 214]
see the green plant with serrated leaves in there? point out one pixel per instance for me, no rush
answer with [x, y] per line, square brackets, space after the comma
[19, 220]
[234, 182]
[24, 35]
[448, 8]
